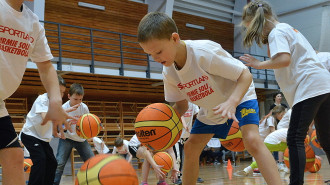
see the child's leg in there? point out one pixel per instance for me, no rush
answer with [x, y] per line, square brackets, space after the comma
[11, 153]
[302, 115]
[51, 164]
[63, 153]
[259, 151]
[84, 149]
[11, 160]
[192, 150]
[145, 171]
[322, 126]
[38, 157]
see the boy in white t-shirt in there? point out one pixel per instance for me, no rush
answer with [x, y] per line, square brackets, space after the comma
[77, 109]
[22, 37]
[36, 138]
[121, 147]
[202, 72]
[100, 146]
[269, 123]
[303, 79]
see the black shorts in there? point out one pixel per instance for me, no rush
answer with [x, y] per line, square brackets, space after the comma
[8, 136]
[133, 150]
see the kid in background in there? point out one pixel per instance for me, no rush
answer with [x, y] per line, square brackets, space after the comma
[302, 78]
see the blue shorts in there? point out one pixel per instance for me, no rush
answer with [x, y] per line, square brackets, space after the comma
[246, 113]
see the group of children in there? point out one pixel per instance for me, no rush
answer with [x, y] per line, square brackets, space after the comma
[197, 71]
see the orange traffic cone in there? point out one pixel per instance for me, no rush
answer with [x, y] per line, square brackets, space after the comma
[229, 169]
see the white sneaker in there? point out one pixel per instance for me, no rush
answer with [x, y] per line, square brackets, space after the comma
[248, 170]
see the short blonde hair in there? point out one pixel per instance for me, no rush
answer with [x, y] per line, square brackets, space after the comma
[156, 25]
[256, 12]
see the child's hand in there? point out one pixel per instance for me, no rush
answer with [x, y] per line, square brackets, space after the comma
[174, 175]
[57, 116]
[73, 108]
[318, 157]
[227, 110]
[159, 173]
[250, 61]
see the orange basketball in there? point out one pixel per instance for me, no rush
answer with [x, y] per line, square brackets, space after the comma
[314, 140]
[233, 141]
[88, 126]
[310, 157]
[316, 167]
[307, 139]
[164, 159]
[158, 126]
[27, 165]
[106, 169]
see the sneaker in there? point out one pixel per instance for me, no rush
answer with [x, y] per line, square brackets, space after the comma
[281, 166]
[256, 170]
[162, 183]
[246, 172]
[144, 183]
[179, 181]
[200, 180]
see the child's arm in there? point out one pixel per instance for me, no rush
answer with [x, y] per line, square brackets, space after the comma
[228, 108]
[146, 155]
[280, 60]
[181, 107]
[55, 113]
[130, 156]
[175, 169]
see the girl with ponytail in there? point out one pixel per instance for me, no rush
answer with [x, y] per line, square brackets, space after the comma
[304, 81]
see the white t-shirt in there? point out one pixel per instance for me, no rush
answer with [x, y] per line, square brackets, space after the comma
[264, 129]
[285, 121]
[134, 141]
[188, 118]
[207, 79]
[124, 149]
[98, 146]
[305, 77]
[324, 58]
[21, 37]
[32, 126]
[277, 136]
[81, 110]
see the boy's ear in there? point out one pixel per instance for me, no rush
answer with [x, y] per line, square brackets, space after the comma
[176, 37]
[69, 96]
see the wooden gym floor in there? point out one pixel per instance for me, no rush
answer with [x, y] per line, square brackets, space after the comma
[217, 175]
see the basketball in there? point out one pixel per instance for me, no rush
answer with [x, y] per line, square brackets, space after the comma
[158, 126]
[307, 139]
[88, 126]
[316, 167]
[27, 165]
[233, 141]
[164, 159]
[106, 169]
[314, 140]
[310, 157]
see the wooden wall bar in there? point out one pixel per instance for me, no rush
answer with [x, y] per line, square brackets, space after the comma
[220, 32]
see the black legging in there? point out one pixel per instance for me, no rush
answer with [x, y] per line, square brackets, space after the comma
[303, 113]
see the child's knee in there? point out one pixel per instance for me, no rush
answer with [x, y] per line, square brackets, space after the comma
[252, 143]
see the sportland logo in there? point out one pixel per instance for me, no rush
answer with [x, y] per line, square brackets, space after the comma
[144, 133]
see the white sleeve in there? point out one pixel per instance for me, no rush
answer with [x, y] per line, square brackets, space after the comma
[225, 66]
[195, 108]
[278, 42]
[270, 121]
[114, 150]
[41, 51]
[41, 105]
[85, 109]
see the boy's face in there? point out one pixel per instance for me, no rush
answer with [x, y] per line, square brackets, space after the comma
[62, 90]
[162, 51]
[75, 99]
